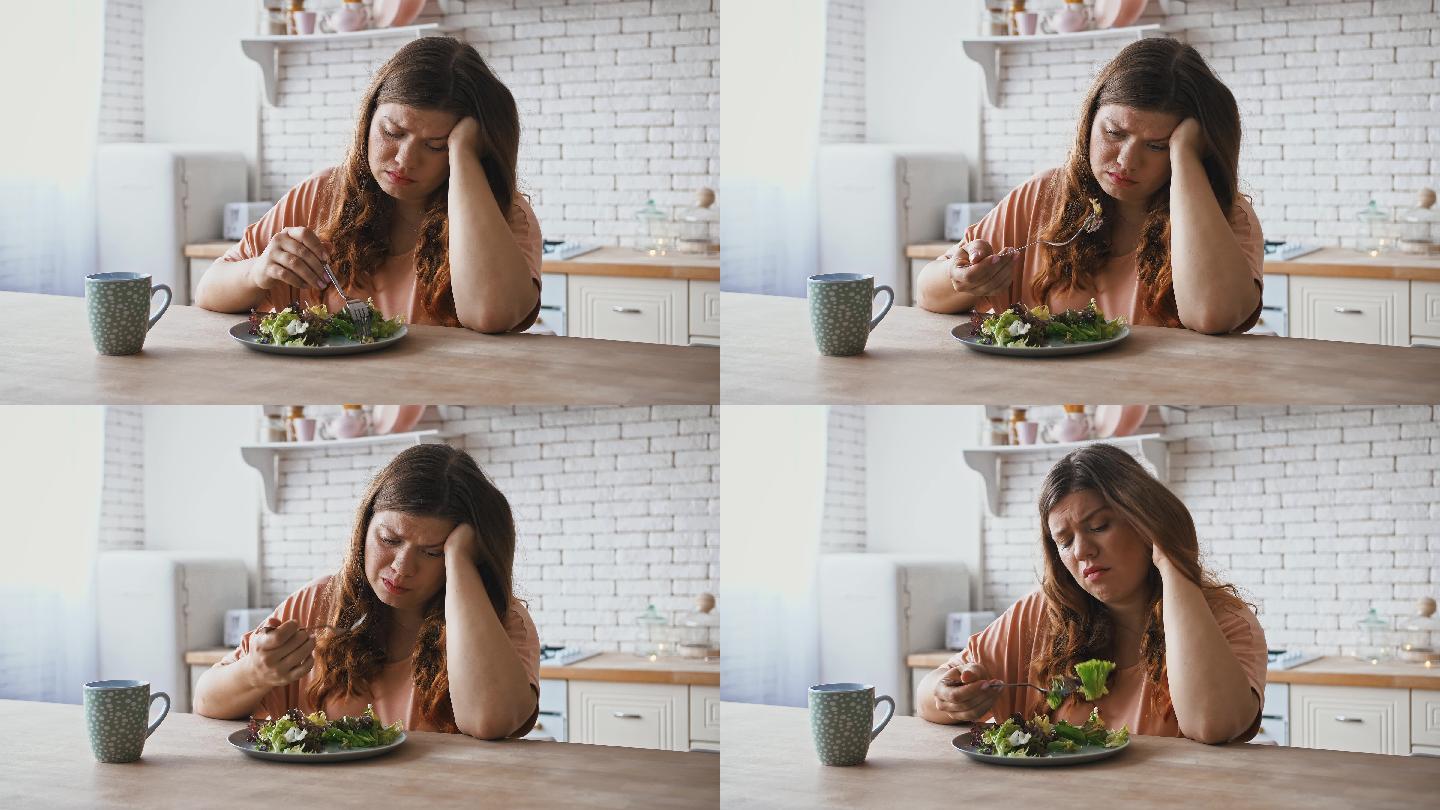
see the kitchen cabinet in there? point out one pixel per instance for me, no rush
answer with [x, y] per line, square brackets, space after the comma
[1425, 722]
[1352, 310]
[705, 718]
[631, 715]
[1350, 718]
[1425, 309]
[645, 310]
[705, 313]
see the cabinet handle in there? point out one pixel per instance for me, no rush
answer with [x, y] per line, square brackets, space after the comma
[1340, 718]
[1349, 311]
[625, 310]
[628, 716]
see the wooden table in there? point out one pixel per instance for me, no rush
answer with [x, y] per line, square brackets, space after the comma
[912, 764]
[188, 763]
[46, 356]
[769, 356]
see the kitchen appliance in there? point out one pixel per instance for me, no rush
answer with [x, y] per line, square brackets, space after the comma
[959, 627]
[239, 621]
[563, 249]
[562, 656]
[240, 215]
[961, 215]
[154, 199]
[155, 606]
[1284, 251]
[876, 609]
[876, 199]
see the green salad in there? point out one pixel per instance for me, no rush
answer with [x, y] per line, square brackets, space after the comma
[1020, 328]
[314, 325]
[297, 733]
[1041, 737]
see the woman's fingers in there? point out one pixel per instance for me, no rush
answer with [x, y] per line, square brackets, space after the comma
[296, 272]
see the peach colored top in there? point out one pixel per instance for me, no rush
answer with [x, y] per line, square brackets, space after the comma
[1017, 219]
[393, 693]
[394, 285]
[1008, 645]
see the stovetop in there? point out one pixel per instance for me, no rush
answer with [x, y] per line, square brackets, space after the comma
[1287, 659]
[561, 656]
[1283, 251]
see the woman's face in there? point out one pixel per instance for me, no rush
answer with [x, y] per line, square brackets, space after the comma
[1099, 549]
[405, 557]
[409, 150]
[1130, 151]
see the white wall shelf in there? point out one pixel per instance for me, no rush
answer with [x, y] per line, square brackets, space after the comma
[265, 456]
[988, 460]
[265, 50]
[986, 51]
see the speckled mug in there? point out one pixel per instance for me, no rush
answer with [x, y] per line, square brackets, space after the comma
[119, 307]
[115, 714]
[840, 721]
[840, 305]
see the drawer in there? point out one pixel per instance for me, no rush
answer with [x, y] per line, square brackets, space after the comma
[1425, 308]
[646, 310]
[705, 713]
[705, 309]
[1352, 310]
[631, 715]
[1425, 717]
[1349, 718]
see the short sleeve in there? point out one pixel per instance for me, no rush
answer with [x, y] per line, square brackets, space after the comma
[520, 629]
[1013, 222]
[1246, 227]
[1005, 649]
[302, 205]
[1247, 641]
[303, 607]
[526, 230]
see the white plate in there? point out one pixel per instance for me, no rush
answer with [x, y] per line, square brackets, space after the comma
[334, 345]
[331, 754]
[962, 334]
[1088, 753]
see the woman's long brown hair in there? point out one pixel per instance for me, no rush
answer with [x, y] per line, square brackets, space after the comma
[1155, 75]
[433, 480]
[1077, 626]
[430, 73]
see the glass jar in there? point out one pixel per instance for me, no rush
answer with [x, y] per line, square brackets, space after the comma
[699, 636]
[1375, 231]
[1012, 23]
[293, 413]
[654, 237]
[998, 434]
[1373, 630]
[1017, 415]
[695, 225]
[1420, 226]
[997, 23]
[653, 627]
[1418, 634]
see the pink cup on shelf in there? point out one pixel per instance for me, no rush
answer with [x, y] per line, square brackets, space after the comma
[1026, 21]
[1027, 432]
[305, 21]
[305, 429]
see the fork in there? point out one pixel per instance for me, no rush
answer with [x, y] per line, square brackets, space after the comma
[1065, 689]
[312, 628]
[359, 310]
[1091, 224]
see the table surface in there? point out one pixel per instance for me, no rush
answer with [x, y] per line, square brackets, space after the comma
[46, 356]
[188, 758]
[769, 356]
[912, 764]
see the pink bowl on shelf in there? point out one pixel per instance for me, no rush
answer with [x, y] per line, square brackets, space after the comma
[396, 418]
[1118, 13]
[395, 13]
[1118, 420]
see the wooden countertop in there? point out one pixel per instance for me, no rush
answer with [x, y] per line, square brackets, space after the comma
[607, 261]
[189, 357]
[188, 758]
[613, 667]
[912, 764]
[769, 356]
[1333, 262]
[1329, 671]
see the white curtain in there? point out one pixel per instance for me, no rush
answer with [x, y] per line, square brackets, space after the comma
[772, 499]
[51, 55]
[50, 498]
[772, 87]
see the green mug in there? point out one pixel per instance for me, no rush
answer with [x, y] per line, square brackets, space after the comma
[119, 307]
[840, 721]
[116, 713]
[840, 305]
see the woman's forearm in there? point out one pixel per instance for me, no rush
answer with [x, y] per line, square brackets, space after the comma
[1214, 290]
[228, 287]
[227, 692]
[489, 689]
[934, 292]
[493, 288]
[1211, 694]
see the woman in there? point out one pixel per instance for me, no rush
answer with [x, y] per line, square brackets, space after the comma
[442, 644]
[423, 216]
[1158, 145]
[1123, 583]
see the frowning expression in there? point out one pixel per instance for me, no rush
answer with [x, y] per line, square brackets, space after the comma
[1130, 151]
[405, 557]
[1103, 552]
[409, 151]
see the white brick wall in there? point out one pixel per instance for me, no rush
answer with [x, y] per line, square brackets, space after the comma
[122, 101]
[842, 115]
[122, 499]
[843, 528]
[1339, 103]
[1316, 513]
[619, 102]
[615, 508]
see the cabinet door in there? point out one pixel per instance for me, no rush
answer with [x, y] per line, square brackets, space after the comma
[1350, 718]
[916, 265]
[1425, 308]
[1425, 717]
[704, 714]
[704, 309]
[632, 715]
[646, 310]
[1353, 310]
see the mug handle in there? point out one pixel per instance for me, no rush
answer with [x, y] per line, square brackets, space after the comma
[876, 320]
[166, 713]
[153, 319]
[883, 699]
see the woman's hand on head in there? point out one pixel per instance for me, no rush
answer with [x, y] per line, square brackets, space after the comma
[461, 544]
[1187, 139]
[465, 136]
